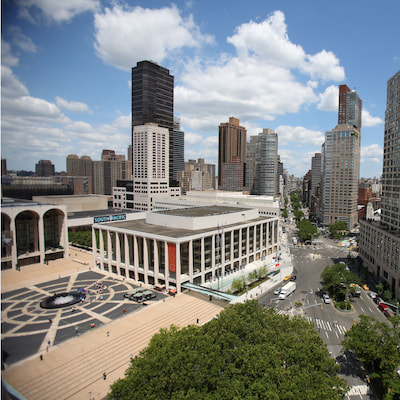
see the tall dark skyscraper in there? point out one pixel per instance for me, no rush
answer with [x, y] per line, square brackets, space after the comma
[153, 101]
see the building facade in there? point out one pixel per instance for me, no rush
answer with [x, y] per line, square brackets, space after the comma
[32, 233]
[231, 152]
[350, 107]
[150, 170]
[153, 102]
[379, 244]
[197, 175]
[262, 164]
[44, 168]
[340, 176]
[170, 248]
[340, 160]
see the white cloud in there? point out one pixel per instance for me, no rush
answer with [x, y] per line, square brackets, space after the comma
[372, 153]
[192, 138]
[123, 37]
[33, 128]
[6, 56]
[22, 41]
[299, 135]
[323, 65]
[329, 99]
[368, 120]
[72, 105]
[56, 10]
[10, 85]
[258, 83]
[268, 40]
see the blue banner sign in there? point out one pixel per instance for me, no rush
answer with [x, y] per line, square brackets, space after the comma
[109, 218]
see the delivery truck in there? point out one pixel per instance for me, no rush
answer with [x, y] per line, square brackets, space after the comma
[287, 290]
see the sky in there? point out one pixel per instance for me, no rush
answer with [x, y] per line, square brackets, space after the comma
[66, 73]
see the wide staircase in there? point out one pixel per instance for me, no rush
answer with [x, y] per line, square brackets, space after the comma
[74, 370]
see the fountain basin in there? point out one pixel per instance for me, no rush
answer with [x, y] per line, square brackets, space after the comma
[60, 300]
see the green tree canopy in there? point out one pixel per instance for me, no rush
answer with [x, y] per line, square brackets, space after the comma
[247, 352]
[285, 213]
[336, 280]
[377, 346]
[298, 214]
[306, 230]
[338, 229]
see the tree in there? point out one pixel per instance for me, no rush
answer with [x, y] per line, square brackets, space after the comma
[377, 346]
[247, 352]
[285, 213]
[306, 230]
[336, 279]
[298, 215]
[338, 229]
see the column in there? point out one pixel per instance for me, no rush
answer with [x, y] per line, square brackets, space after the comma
[145, 261]
[156, 265]
[178, 268]
[191, 261]
[213, 247]
[40, 231]
[166, 263]
[202, 261]
[135, 258]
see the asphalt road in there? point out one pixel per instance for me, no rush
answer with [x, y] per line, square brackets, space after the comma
[331, 324]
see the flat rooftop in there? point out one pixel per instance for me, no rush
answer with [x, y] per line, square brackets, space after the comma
[206, 211]
[99, 213]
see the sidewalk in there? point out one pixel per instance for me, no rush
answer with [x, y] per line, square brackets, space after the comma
[286, 268]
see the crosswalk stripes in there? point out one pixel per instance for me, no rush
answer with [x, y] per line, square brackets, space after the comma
[333, 327]
[325, 325]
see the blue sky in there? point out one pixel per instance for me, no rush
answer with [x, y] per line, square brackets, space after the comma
[66, 70]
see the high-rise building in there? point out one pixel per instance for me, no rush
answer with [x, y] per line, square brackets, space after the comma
[44, 168]
[350, 107]
[379, 243]
[262, 164]
[150, 170]
[153, 101]
[101, 175]
[197, 176]
[232, 156]
[341, 162]
[178, 150]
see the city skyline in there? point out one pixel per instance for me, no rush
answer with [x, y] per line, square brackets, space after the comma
[66, 74]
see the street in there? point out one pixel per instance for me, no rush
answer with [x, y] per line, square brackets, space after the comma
[332, 324]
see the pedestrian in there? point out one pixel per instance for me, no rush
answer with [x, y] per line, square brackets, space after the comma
[131, 356]
[108, 333]
[197, 320]
[104, 376]
[41, 357]
[50, 320]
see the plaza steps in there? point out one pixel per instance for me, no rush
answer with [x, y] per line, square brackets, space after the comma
[74, 370]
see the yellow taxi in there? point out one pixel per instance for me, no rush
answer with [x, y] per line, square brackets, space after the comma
[365, 287]
[286, 278]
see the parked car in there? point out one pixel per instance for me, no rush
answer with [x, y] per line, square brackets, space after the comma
[326, 298]
[373, 295]
[148, 294]
[365, 287]
[277, 291]
[293, 278]
[130, 293]
[286, 278]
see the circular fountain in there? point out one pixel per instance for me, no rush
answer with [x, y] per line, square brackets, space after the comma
[62, 300]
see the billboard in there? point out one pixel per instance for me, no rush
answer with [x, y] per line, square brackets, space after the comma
[172, 257]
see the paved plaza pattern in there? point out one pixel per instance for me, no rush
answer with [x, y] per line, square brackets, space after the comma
[57, 354]
[28, 329]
